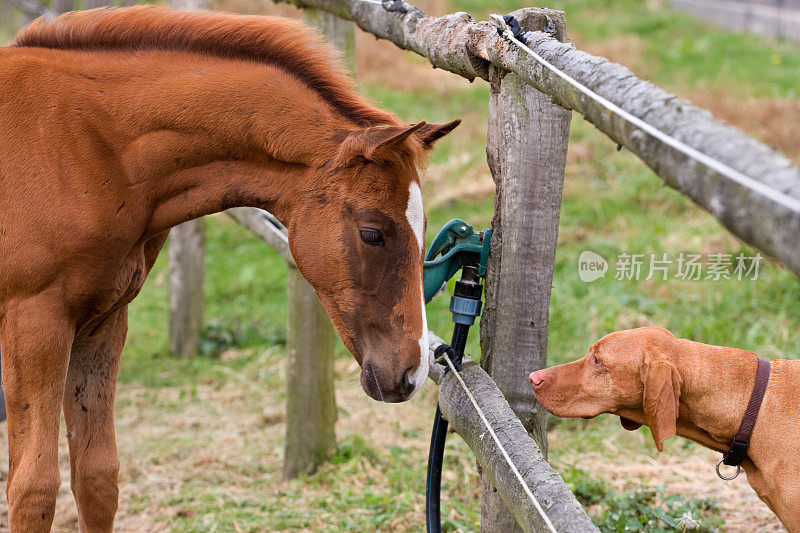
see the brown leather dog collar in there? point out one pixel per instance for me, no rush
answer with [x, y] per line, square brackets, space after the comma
[738, 450]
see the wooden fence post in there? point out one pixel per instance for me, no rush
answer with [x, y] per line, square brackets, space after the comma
[186, 255]
[62, 6]
[339, 33]
[310, 398]
[527, 152]
[186, 273]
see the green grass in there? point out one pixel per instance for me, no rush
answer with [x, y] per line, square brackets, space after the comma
[646, 509]
[612, 204]
[615, 205]
[245, 295]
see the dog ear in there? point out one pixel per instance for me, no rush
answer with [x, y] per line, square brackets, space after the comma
[661, 400]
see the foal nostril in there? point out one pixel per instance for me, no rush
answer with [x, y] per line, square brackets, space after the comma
[406, 382]
[379, 388]
[370, 382]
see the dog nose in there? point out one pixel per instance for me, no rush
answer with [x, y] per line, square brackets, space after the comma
[537, 379]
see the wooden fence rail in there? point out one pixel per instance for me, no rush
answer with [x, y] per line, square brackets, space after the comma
[766, 215]
[546, 485]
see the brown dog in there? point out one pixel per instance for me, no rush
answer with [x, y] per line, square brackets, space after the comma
[676, 386]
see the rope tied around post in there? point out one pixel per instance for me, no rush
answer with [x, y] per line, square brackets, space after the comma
[445, 350]
[511, 24]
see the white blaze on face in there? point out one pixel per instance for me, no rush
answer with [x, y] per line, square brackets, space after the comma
[416, 219]
[415, 214]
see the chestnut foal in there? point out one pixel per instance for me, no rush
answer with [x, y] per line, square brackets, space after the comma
[116, 125]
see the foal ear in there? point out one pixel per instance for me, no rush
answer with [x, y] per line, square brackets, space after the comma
[389, 138]
[661, 401]
[433, 132]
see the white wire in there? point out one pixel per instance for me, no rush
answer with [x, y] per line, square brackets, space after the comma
[500, 445]
[721, 168]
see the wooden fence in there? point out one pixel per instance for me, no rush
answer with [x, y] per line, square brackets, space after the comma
[751, 189]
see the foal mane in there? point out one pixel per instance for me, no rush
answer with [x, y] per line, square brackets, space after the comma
[283, 43]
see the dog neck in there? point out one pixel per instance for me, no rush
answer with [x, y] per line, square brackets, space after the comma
[714, 395]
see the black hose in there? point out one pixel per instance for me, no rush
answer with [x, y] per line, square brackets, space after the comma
[465, 306]
[433, 516]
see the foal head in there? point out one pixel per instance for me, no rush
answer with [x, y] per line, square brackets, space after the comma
[359, 239]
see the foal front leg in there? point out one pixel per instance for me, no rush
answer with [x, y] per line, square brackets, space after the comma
[89, 413]
[37, 338]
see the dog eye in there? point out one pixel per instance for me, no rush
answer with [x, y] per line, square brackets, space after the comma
[596, 361]
[372, 237]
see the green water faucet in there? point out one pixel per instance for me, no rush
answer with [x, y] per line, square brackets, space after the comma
[455, 246]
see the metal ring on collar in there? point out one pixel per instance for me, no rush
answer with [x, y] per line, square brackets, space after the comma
[738, 468]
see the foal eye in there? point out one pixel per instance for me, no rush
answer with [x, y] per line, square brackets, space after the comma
[372, 237]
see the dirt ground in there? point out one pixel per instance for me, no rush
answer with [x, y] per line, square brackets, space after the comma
[219, 437]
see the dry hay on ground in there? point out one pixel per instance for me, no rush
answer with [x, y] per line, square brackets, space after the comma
[686, 470]
[225, 440]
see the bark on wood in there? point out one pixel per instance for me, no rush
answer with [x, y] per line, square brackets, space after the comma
[527, 152]
[455, 43]
[547, 486]
[310, 399]
[186, 272]
[753, 216]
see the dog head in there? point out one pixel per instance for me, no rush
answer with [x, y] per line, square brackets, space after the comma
[630, 373]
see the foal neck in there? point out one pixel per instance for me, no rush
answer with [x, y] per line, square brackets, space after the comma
[206, 134]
